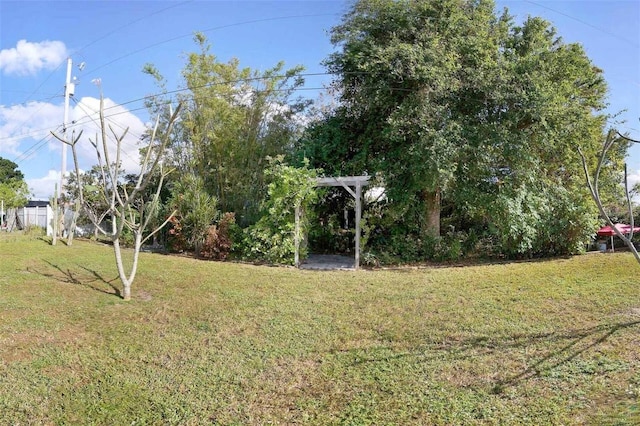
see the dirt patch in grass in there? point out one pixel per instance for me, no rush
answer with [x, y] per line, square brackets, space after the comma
[21, 346]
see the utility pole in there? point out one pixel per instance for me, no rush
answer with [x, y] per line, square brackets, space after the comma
[69, 89]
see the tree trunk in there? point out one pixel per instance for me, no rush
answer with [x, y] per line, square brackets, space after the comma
[72, 226]
[55, 216]
[432, 207]
[126, 292]
[127, 280]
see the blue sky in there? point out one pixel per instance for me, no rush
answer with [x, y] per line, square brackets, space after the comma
[114, 39]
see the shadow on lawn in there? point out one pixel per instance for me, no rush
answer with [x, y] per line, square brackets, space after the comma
[68, 276]
[577, 342]
[563, 348]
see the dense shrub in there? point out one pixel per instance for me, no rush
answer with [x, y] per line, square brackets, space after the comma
[176, 240]
[196, 210]
[218, 242]
[272, 238]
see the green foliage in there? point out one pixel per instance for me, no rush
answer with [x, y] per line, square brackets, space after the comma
[331, 232]
[14, 191]
[272, 238]
[9, 171]
[96, 203]
[196, 209]
[465, 115]
[34, 231]
[233, 119]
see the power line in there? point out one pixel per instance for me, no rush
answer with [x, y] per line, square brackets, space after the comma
[131, 23]
[83, 48]
[602, 30]
[47, 96]
[33, 93]
[88, 117]
[34, 148]
[235, 24]
[33, 132]
[243, 80]
[43, 104]
[40, 144]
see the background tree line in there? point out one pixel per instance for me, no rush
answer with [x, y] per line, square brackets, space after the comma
[14, 191]
[471, 123]
[468, 121]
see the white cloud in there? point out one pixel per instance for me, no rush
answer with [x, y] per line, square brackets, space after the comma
[24, 127]
[27, 58]
[86, 119]
[43, 188]
[25, 138]
[633, 178]
[32, 121]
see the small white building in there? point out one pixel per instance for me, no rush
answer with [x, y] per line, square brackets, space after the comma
[35, 213]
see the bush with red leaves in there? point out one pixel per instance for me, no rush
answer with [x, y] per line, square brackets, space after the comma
[218, 242]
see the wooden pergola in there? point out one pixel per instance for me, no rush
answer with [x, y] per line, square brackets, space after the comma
[357, 182]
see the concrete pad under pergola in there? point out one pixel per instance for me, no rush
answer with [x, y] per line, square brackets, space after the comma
[357, 182]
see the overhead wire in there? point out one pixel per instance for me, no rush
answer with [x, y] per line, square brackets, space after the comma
[33, 149]
[42, 103]
[142, 18]
[235, 24]
[160, 43]
[602, 30]
[107, 118]
[83, 48]
[79, 122]
[88, 117]
[228, 26]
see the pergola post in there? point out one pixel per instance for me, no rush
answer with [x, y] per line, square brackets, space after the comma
[358, 215]
[296, 237]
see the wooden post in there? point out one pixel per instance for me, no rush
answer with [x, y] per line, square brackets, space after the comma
[55, 216]
[296, 237]
[358, 214]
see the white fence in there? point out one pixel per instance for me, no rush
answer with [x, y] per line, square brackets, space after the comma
[24, 217]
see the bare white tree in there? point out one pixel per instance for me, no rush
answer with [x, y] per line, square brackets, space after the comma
[592, 184]
[129, 208]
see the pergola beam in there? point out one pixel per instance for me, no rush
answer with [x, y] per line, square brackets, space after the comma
[342, 181]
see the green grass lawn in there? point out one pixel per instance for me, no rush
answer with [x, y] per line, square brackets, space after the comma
[548, 342]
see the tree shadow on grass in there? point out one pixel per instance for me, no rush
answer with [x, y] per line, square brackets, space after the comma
[563, 348]
[577, 342]
[71, 277]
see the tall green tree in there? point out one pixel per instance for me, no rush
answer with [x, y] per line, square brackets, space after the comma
[400, 69]
[455, 107]
[233, 119]
[9, 170]
[14, 191]
[520, 173]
